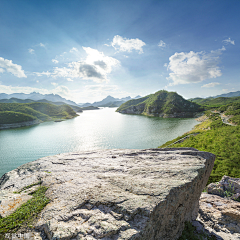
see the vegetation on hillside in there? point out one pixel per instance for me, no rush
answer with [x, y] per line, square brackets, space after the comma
[17, 100]
[210, 103]
[218, 138]
[89, 108]
[21, 112]
[161, 102]
[132, 102]
[7, 117]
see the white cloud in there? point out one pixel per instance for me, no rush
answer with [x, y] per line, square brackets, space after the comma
[212, 84]
[227, 41]
[162, 44]
[9, 66]
[127, 45]
[165, 65]
[194, 67]
[69, 79]
[95, 92]
[54, 84]
[225, 90]
[43, 73]
[30, 50]
[55, 61]
[62, 90]
[95, 67]
[73, 50]
[2, 70]
[10, 89]
[42, 45]
[62, 55]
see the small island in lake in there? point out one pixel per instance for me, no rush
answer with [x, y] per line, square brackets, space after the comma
[161, 104]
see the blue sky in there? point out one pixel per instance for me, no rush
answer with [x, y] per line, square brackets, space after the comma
[86, 50]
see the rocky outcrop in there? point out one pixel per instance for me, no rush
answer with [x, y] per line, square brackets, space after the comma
[219, 210]
[227, 187]
[220, 216]
[21, 124]
[116, 194]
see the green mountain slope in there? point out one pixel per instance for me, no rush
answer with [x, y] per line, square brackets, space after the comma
[17, 100]
[7, 117]
[21, 112]
[215, 102]
[162, 104]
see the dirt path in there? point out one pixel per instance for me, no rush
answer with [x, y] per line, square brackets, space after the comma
[225, 119]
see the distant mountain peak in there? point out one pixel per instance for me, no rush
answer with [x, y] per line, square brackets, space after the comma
[38, 96]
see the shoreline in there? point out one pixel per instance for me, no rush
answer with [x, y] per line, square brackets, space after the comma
[28, 123]
[18, 125]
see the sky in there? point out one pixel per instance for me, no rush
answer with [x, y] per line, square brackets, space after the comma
[85, 50]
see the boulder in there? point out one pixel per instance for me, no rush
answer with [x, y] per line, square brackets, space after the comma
[227, 187]
[220, 216]
[117, 194]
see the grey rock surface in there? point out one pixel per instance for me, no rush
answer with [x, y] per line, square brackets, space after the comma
[227, 187]
[117, 194]
[220, 216]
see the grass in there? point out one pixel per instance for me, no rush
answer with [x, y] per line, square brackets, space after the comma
[26, 214]
[219, 139]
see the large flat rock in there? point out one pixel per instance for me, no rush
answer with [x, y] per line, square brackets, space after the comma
[117, 194]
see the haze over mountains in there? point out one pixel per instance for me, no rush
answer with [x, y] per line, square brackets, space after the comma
[109, 101]
[230, 94]
[37, 96]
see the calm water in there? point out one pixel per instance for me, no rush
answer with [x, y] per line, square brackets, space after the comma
[95, 129]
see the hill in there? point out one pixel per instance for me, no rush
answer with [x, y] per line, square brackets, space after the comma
[216, 137]
[17, 100]
[230, 94]
[37, 96]
[161, 104]
[22, 112]
[209, 103]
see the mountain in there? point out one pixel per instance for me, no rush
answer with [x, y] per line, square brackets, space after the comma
[226, 95]
[209, 103]
[109, 101]
[113, 104]
[37, 96]
[21, 112]
[17, 100]
[161, 104]
[230, 94]
[138, 96]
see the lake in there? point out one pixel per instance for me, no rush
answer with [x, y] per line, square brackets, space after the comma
[95, 129]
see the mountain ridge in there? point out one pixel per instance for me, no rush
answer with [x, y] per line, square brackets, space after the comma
[109, 101]
[37, 96]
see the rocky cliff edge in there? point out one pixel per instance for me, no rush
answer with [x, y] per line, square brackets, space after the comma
[115, 194]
